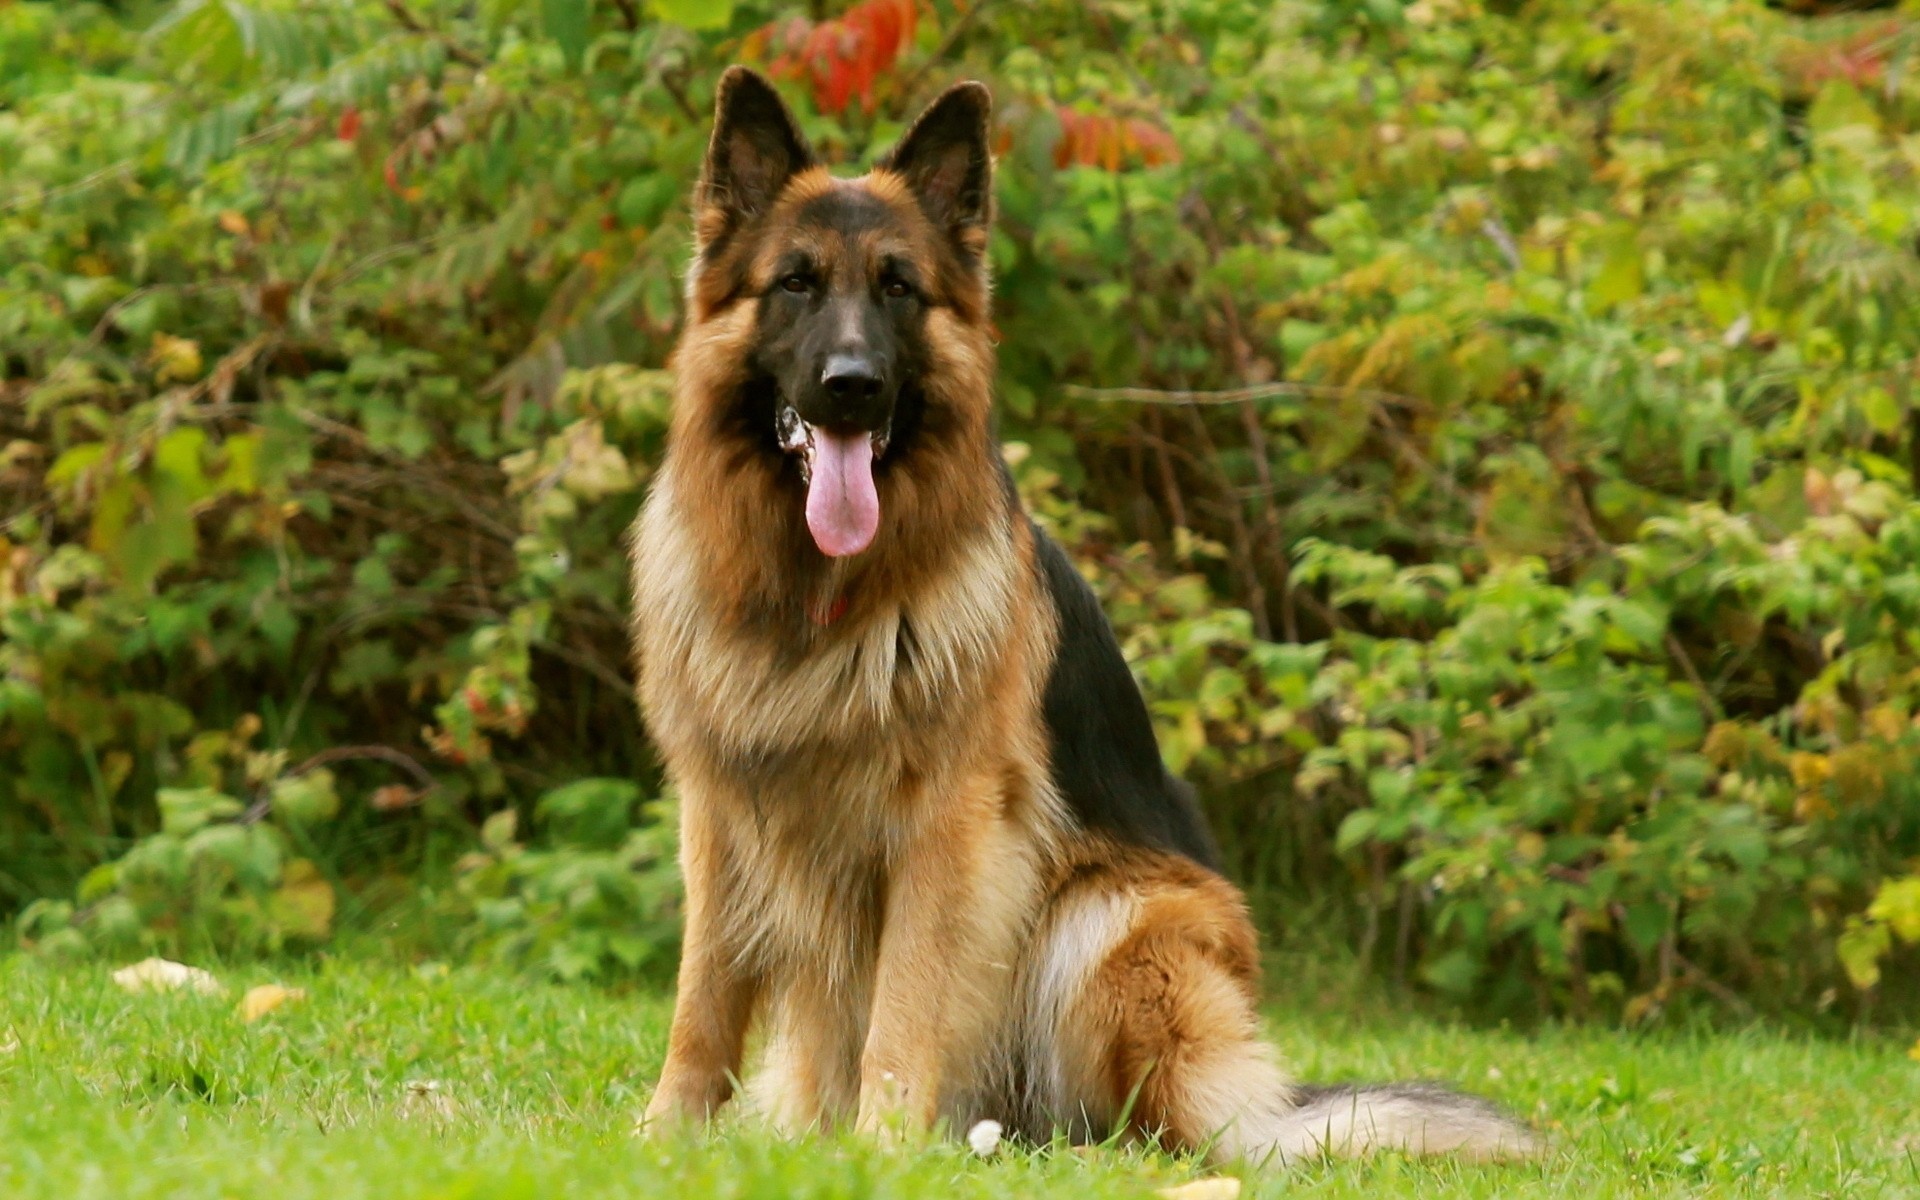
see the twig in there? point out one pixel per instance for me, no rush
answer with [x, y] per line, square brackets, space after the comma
[676, 84]
[1243, 539]
[1271, 533]
[347, 432]
[1496, 232]
[67, 189]
[1119, 49]
[947, 42]
[1712, 986]
[621, 685]
[413, 24]
[1244, 557]
[1239, 395]
[399, 758]
[1709, 707]
[128, 165]
[1268, 391]
[1169, 483]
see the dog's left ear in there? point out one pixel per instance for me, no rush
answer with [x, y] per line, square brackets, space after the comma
[944, 159]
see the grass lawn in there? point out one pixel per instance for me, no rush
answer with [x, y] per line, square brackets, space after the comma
[397, 1084]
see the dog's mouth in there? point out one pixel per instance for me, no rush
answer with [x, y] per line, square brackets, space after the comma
[843, 506]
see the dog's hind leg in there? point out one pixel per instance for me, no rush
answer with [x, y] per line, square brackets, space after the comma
[1151, 981]
[1164, 1032]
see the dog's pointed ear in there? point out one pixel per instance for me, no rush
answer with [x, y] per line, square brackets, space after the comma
[945, 160]
[757, 146]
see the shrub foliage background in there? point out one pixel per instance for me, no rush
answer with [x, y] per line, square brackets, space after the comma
[1491, 424]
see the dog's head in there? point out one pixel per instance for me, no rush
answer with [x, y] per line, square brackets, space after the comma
[842, 296]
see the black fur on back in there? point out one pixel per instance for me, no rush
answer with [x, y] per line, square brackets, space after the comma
[1105, 761]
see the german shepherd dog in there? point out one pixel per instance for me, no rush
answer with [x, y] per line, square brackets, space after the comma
[927, 835]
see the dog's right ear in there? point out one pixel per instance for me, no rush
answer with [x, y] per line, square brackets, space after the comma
[757, 146]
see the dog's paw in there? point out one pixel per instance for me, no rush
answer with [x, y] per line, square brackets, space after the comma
[670, 1115]
[888, 1115]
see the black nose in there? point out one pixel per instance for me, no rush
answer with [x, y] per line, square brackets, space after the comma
[851, 377]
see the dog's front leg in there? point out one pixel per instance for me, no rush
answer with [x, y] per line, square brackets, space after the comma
[715, 996]
[958, 898]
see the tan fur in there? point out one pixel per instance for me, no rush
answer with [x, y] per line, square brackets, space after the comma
[876, 861]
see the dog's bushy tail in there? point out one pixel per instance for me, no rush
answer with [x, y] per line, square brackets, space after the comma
[1345, 1120]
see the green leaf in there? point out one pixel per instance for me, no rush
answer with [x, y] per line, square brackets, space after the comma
[178, 456]
[184, 810]
[646, 198]
[570, 23]
[1356, 829]
[1644, 623]
[1390, 786]
[73, 462]
[496, 833]
[307, 799]
[1454, 972]
[1861, 948]
[590, 812]
[1646, 924]
[304, 903]
[1622, 276]
[694, 14]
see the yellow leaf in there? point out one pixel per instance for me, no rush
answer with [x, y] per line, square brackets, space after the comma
[1809, 770]
[261, 1000]
[1220, 1187]
[1898, 907]
[1914, 1053]
[174, 359]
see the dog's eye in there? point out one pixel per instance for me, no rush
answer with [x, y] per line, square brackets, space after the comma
[897, 289]
[795, 283]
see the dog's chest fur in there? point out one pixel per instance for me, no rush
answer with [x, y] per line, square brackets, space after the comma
[832, 748]
[856, 707]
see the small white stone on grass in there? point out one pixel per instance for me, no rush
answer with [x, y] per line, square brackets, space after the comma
[160, 975]
[984, 1137]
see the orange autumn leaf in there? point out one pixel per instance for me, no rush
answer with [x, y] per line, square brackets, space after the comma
[1111, 143]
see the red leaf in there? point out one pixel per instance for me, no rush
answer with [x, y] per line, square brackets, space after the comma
[882, 22]
[837, 88]
[1063, 153]
[349, 127]
[844, 57]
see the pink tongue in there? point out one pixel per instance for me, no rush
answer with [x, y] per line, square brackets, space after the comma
[843, 510]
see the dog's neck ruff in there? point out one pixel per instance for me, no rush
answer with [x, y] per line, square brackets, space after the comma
[828, 611]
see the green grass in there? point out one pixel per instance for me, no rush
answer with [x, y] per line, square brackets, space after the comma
[104, 1094]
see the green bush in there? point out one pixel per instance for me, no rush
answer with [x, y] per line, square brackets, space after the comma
[1490, 425]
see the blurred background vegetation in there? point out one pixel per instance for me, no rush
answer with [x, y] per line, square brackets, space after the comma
[1491, 425]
